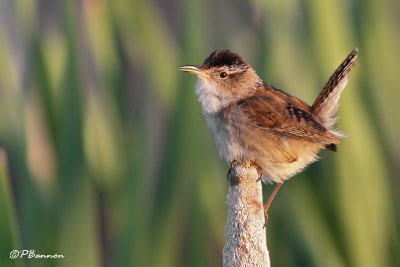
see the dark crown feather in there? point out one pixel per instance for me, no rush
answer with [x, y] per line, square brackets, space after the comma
[221, 58]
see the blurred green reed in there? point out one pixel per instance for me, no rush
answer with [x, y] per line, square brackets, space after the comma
[105, 157]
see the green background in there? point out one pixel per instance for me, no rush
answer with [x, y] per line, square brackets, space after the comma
[106, 159]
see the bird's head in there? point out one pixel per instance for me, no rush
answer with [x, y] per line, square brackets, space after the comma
[223, 78]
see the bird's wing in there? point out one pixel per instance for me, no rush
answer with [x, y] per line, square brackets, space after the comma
[285, 119]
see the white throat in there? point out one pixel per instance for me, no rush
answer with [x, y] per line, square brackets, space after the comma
[208, 96]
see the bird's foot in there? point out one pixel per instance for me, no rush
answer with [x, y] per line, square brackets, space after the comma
[232, 178]
[259, 170]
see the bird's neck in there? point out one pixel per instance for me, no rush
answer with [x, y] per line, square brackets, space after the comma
[210, 100]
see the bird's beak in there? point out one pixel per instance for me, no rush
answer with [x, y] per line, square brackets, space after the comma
[193, 69]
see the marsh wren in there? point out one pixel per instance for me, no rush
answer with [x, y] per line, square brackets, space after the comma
[255, 122]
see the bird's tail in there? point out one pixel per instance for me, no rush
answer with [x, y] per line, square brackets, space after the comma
[327, 103]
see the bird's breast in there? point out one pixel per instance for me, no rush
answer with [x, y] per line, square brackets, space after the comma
[227, 145]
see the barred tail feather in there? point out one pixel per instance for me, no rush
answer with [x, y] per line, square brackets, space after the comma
[327, 103]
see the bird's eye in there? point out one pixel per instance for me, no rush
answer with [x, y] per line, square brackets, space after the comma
[222, 75]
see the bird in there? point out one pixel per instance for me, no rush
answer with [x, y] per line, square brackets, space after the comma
[253, 121]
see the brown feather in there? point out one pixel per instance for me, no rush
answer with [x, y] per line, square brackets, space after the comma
[286, 119]
[327, 102]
